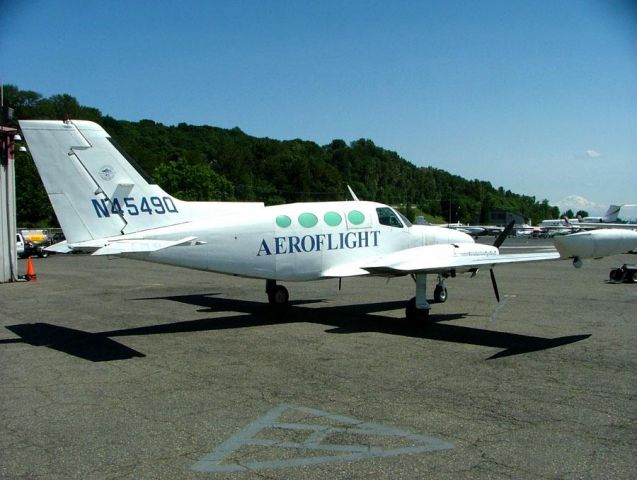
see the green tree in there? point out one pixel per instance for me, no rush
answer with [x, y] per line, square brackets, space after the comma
[192, 182]
[33, 208]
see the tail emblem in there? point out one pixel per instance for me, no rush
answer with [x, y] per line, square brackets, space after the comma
[106, 173]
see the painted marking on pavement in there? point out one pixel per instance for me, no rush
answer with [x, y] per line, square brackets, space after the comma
[501, 305]
[281, 437]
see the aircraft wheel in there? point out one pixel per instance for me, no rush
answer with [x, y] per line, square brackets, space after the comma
[415, 315]
[440, 294]
[279, 296]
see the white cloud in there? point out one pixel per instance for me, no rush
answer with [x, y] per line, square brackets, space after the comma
[593, 154]
[577, 202]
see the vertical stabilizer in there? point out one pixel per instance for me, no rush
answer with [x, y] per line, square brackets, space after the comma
[94, 189]
[611, 214]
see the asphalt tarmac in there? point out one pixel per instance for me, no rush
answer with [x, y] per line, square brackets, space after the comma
[116, 369]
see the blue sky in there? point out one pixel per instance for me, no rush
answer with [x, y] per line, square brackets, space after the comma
[539, 97]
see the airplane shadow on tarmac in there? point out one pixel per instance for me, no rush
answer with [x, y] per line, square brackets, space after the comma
[347, 319]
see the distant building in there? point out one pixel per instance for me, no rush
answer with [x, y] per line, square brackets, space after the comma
[502, 218]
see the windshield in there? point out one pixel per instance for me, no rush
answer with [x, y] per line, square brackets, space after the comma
[386, 216]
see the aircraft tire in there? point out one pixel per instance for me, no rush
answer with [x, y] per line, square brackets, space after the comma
[279, 296]
[440, 294]
[415, 315]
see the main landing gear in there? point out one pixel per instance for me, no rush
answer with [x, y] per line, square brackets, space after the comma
[278, 295]
[418, 307]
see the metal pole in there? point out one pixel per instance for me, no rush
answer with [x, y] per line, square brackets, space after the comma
[8, 256]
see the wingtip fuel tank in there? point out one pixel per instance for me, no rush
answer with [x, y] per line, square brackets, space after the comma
[596, 243]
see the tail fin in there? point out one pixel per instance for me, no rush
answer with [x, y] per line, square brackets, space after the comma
[94, 189]
[611, 214]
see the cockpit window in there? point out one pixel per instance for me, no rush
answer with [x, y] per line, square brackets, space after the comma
[405, 220]
[386, 216]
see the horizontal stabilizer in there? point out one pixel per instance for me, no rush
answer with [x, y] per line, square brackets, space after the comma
[60, 247]
[113, 246]
[141, 246]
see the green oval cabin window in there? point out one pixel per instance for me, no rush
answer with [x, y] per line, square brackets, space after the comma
[308, 220]
[283, 221]
[355, 217]
[333, 219]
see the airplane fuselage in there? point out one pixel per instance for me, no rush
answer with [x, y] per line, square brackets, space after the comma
[302, 241]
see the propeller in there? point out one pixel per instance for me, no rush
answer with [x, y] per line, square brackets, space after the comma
[498, 242]
[504, 234]
[495, 285]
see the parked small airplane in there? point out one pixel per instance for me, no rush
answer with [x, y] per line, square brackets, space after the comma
[473, 230]
[609, 217]
[524, 230]
[106, 207]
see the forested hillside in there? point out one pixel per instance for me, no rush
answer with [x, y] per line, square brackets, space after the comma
[210, 163]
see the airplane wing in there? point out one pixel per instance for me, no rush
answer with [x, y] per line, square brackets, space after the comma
[447, 258]
[444, 258]
[342, 271]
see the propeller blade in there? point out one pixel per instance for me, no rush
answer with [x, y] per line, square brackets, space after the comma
[495, 285]
[505, 233]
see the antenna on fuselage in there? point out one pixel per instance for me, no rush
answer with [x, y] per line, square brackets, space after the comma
[351, 192]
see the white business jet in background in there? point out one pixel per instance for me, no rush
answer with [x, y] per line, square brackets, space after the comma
[609, 220]
[107, 207]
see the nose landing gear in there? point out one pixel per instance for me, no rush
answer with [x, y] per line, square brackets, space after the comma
[440, 292]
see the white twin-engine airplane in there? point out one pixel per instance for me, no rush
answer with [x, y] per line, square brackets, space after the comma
[107, 207]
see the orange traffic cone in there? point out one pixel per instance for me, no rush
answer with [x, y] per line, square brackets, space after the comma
[31, 276]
